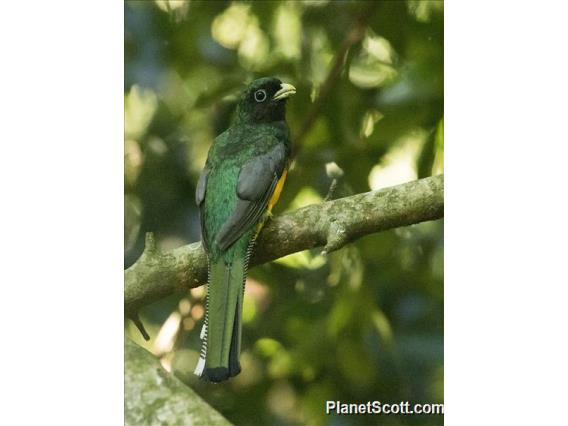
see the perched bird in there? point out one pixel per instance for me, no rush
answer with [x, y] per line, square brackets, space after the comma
[244, 174]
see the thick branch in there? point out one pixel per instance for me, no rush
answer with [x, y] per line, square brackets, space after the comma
[331, 224]
[153, 396]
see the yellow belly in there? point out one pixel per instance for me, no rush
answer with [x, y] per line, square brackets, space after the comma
[273, 199]
[276, 194]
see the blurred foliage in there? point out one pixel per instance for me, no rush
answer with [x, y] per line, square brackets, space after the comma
[365, 323]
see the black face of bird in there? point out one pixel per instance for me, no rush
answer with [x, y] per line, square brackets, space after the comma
[264, 100]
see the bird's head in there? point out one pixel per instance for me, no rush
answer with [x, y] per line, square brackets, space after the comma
[264, 101]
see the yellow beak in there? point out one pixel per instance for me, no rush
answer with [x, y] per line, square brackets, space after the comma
[285, 91]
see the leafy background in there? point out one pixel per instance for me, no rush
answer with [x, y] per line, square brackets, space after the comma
[365, 323]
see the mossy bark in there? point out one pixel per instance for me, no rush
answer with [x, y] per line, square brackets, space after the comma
[153, 396]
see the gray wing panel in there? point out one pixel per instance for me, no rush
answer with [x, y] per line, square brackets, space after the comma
[257, 180]
[199, 197]
[256, 175]
[201, 185]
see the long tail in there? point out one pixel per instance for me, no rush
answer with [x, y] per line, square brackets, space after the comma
[221, 333]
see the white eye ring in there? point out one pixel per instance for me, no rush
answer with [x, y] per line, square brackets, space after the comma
[260, 95]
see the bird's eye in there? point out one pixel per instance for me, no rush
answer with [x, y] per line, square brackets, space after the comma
[260, 95]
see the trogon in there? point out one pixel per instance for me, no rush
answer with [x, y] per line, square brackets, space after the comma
[244, 174]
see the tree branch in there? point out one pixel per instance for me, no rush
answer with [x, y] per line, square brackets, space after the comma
[331, 224]
[153, 396]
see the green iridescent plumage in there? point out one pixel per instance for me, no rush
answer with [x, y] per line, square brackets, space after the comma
[234, 191]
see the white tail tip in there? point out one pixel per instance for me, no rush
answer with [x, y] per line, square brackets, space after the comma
[200, 366]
